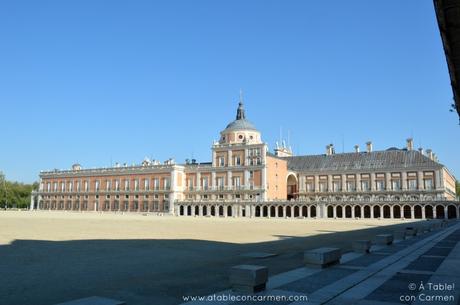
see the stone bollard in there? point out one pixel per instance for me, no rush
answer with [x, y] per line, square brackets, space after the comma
[322, 257]
[411, 231]
[248, 278]
[384, 239]
[361, 246]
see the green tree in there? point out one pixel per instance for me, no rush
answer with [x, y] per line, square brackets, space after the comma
[15, 194]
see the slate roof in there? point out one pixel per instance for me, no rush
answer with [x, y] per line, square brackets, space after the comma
[241, 124]
[377, 160]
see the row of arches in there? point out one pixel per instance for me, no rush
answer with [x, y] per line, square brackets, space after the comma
[394, 211]
[406, 211]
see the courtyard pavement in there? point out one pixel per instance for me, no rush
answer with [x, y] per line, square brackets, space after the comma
[420, 270]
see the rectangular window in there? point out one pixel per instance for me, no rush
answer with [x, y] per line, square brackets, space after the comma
[55, 186]
[70, 186]
[337, 186]
[351, 186]
[428, 184]
[156, 184]
[221, 161]
[237, 182]
[237, 160]
[166, 206]
[310, 186]
[380, 185]
[205, 183]
[108, 185]
[62, 186]
[96, 185]
[126, 184]
[146, 184]
[136, 184]
[117, 185]
[220, 183]
[86, 186]
[365, 185]
[167, 183]
[323, 186]
[412, 184]
[396, 184]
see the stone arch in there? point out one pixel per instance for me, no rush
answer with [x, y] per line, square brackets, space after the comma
[376, 209]
[330, 211]
[257, 211]
[348, 211]
[205, 210]
[280, 211]
[339, 211]
[181, 210]
[451, 212]
[313, 211]
[291, 182]
[229, 211]
[407, 211]
[429, 212]
[265, 211]
[358, 211]
[272, 211]
[396, 211]
[440, 212]
[367, 211]
[418, 211]
[221, 210]
[386, 211]
[213, 210]
[189, 210]
[197, 210]
[296, 211]
[288, 211]
[305, 211]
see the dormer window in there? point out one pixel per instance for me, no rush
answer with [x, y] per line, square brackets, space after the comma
[240, 137]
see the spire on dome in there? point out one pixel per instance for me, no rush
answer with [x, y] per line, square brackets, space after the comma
[240, 115]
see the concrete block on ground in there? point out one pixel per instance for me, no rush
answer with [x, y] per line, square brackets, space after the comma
[384, 239]
[248, 278]
[322, 257]
[411, 231]
[94, 300]
[361, 246]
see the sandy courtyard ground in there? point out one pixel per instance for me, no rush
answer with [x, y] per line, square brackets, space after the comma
[52, 257]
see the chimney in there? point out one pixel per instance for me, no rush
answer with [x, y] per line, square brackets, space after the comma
[429, 153]
[369, 146]
[332, 148]
[410, 144]
[356, 148]
[421, 150]
[328, 150]
[435, 158]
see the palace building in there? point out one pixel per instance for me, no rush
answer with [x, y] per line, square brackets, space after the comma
[244, 179]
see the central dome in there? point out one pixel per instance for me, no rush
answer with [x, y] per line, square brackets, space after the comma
[241, 124]
[240, 130]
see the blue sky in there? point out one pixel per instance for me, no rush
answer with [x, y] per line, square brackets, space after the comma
[97, 82]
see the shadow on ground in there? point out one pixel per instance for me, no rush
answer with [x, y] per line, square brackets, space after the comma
[143, 272]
